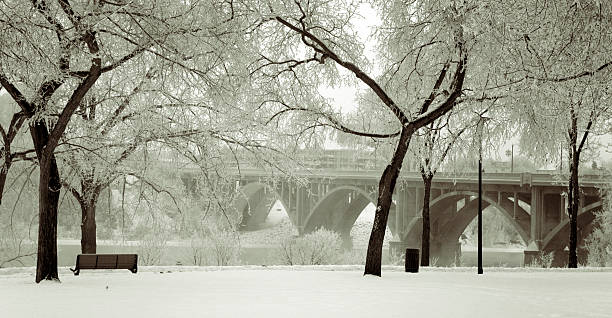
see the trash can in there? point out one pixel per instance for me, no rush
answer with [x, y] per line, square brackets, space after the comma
[412, 260]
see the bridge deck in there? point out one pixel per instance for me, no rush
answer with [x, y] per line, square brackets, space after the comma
[520, 179]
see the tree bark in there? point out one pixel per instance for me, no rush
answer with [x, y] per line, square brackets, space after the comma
[573, 205]
[88, 200]
[48, 199]
[7, 138]
[3, 173]
[88, 227]
[386, 186]
[427, 178]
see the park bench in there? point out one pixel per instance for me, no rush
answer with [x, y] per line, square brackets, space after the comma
[106, 261]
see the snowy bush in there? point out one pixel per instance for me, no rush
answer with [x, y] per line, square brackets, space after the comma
[543, 260]
[196, 254]
[547, 259]
[599, 243]
[599, 249]
[224, 247]
[214, 246]
[320, 247]
[151, 248]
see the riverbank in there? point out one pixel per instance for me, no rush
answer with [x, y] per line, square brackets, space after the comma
[180, 252]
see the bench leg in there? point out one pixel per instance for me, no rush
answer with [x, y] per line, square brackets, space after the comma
[134, 270]
[75, 271]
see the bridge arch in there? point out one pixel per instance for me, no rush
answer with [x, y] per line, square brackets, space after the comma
[455, 227]
[339, 209]
[254, 202]
[452, 225]
[558, 237]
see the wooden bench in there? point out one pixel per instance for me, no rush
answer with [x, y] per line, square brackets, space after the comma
[106, 261]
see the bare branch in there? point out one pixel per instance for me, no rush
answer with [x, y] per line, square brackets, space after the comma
[17, 96]
[572, 77]
[156, 188]
[321, 48]
[334, 122]
[77, 96]
[435, 89]
[457, 84]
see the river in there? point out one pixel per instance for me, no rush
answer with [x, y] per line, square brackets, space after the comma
[178, 253]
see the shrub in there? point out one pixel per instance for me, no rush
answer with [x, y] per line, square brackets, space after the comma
[599, 243]
[197, 252]
[215, 246]
[224, 247]
[543, 260]
[151, 248]
[320, 247]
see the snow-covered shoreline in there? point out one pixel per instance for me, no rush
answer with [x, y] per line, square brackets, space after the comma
[64, 270]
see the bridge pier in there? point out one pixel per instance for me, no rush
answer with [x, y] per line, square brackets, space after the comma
[407, 216]
[534, 246]
[531, 255]
[446, 254]
[302, 208]
[347, 240]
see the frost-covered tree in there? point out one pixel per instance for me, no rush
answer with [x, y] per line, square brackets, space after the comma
[303, 44]
[53, 52]
[117, 120]
[193, 115]
[431, 147]
[561, 61]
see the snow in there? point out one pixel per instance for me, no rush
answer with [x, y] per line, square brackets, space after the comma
[328, 291]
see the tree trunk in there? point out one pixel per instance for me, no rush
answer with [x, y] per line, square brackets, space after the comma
[573, 206]
[48, 199]
[49, 193]
[3, 173]
[88, 201]
[386, 186]
[426, 229]
[88, 227]
[573, 196]
[7, 138]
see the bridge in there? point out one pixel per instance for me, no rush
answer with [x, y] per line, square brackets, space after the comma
[332, 196]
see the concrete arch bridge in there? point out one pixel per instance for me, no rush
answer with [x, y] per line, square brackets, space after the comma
[534, 204]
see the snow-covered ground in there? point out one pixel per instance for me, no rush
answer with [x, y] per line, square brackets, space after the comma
[331, 291]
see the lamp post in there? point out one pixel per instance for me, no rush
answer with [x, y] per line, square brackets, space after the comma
[480, 122]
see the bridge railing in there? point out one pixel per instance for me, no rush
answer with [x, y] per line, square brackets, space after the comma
[343, 161]
[326, 161]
